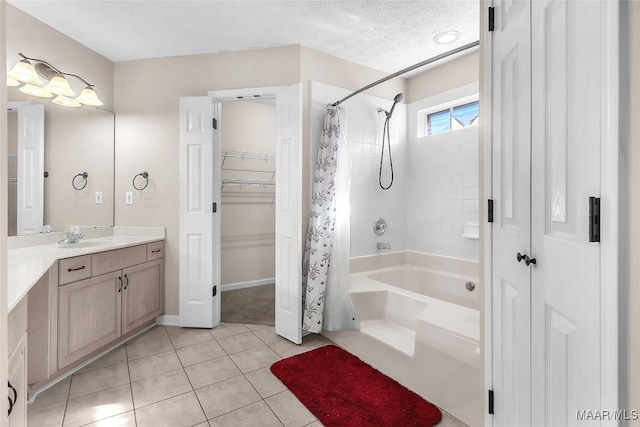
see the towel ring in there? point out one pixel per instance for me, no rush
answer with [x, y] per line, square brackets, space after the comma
[82, 175]
[145, 175]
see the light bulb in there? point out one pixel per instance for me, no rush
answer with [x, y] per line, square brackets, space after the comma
[25, 72]
[60, 86]
[12, 82]
[89, 97]
[66, 102]
[40, 92]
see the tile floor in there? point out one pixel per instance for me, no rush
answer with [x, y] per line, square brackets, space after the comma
[177, 377]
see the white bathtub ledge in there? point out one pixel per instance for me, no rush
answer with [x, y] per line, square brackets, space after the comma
[451, 329]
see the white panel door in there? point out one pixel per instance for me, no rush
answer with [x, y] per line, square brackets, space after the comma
[566, 111]
[511, 145]
[198, 307]
[289, 213]
[30, 169]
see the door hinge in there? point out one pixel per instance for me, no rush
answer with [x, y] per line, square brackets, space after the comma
[492, 17]
[594, 219]
[214, 291]
[490, 402]
[490, 210]
[215, 207]
[214, 123]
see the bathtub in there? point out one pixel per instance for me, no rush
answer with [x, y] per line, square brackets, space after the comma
[421, 326]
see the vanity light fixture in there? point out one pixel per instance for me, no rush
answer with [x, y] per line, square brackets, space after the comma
[34, 85]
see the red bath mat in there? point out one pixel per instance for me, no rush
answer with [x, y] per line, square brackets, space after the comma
[342, 390]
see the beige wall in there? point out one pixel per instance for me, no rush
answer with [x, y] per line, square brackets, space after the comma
[633, 374]
[452, 74]
[76, 140]
[147, 132]
[37, 40]
[147, 93]
[247, 212]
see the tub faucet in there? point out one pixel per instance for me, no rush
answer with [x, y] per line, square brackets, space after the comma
[383, 245]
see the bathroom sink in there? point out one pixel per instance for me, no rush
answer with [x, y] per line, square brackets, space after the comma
[81, 245]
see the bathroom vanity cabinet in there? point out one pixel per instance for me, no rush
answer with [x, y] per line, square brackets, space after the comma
[119, 291]
[76, 303]
[17, 340]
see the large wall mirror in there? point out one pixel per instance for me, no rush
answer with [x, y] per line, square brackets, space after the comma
[61, 166]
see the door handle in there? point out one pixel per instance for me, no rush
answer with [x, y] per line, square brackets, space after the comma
[13, 401]
[120, 288]
[126, 281]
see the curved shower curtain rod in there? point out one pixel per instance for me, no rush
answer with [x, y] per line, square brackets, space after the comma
[411, 68]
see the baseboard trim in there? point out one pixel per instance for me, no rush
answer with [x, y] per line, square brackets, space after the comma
[168, 320]
[249, 284]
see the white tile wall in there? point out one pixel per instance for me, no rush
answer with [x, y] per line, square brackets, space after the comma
[443, 185]
[442, 193]
[363, 130]
[435, 190]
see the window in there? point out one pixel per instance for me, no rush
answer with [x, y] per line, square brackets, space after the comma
[453, 118]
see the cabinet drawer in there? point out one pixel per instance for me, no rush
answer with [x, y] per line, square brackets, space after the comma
[106, 262]
[155, 251]
[73, 269]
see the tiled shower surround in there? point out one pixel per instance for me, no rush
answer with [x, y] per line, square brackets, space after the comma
[435, 189]
[443, 193]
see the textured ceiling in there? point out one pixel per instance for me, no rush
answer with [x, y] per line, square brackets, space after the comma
[386, 35]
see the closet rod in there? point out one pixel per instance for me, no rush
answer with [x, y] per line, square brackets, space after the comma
[411, 68]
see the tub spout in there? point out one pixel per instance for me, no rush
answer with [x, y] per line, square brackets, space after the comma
[383, 245]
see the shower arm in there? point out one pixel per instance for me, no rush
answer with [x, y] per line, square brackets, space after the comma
[411, 68]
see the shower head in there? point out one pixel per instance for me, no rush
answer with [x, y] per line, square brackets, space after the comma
[396, 99]
[399, 97]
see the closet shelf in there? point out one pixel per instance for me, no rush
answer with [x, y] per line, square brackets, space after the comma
[250, 182]
[247, 155]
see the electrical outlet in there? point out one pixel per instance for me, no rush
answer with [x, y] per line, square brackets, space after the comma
[129, 198]
[98, 197]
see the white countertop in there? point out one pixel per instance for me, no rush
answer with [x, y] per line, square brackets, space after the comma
[27, 265]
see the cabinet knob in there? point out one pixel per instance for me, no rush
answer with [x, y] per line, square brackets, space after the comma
[520, 257]
[528, 260]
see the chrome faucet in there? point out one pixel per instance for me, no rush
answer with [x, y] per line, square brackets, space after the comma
[383, 245]
[73, 236]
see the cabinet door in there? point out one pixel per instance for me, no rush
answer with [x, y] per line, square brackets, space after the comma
[18, 379]
[89, 316]
[143, 294]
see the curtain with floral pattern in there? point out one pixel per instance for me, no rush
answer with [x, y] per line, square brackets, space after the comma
[322, 219]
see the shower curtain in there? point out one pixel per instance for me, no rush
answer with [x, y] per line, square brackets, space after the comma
[326, 303]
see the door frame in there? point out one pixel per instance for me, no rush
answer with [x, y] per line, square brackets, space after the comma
[217, 97]
[613, 212]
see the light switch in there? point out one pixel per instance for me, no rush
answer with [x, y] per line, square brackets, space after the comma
[129, 198]
[98, 197]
